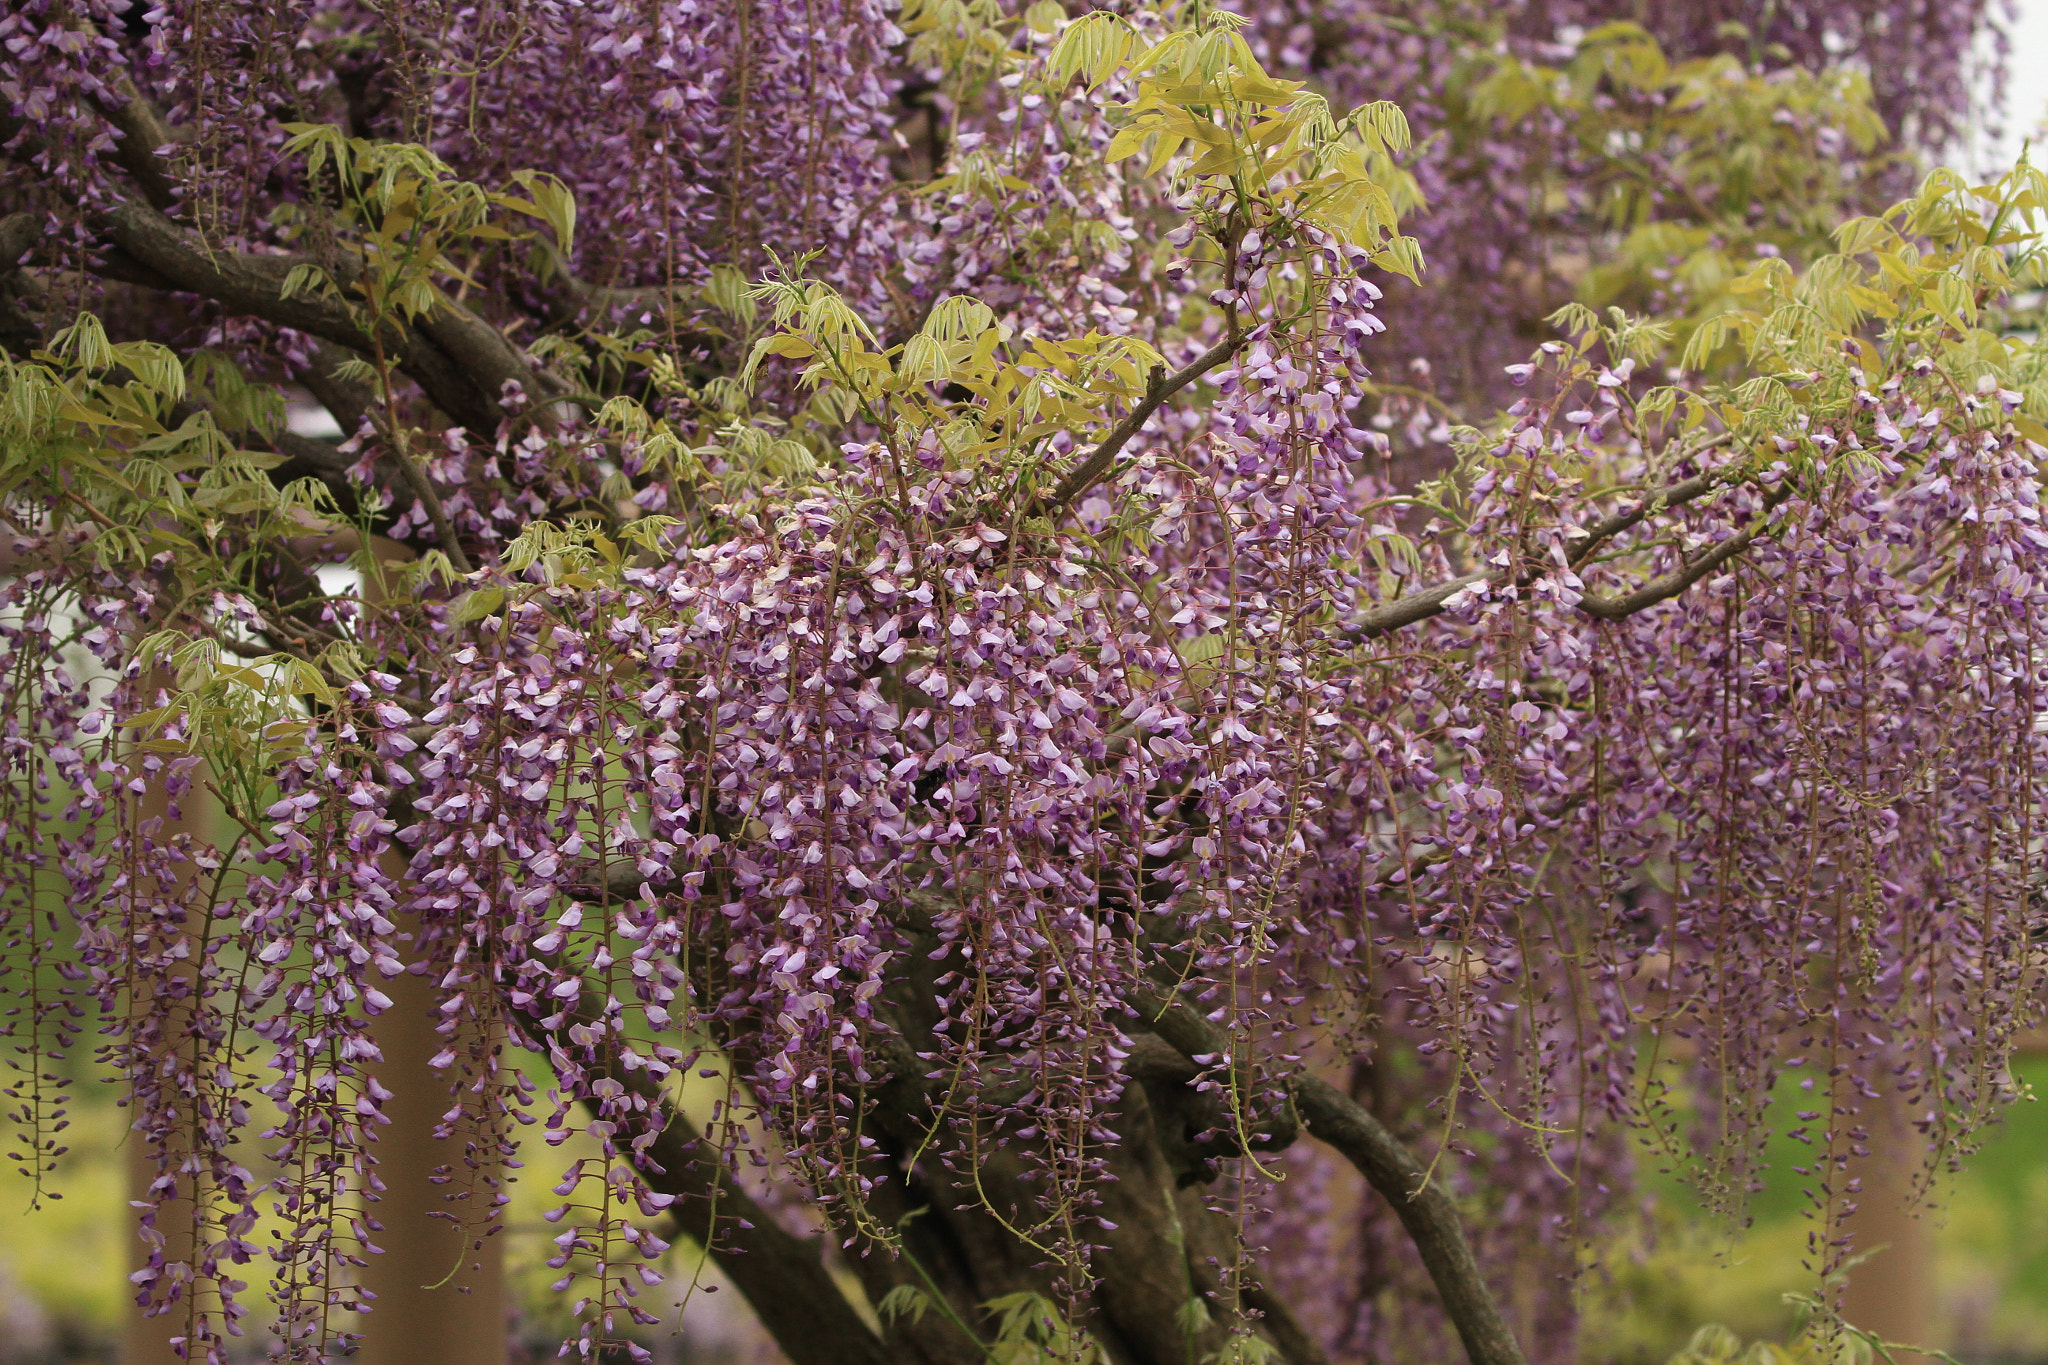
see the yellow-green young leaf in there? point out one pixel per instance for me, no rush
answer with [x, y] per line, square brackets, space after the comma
[159, 648]
[1403, 256]
[1046, 16]
[1093, 47]
[1259, 88]
[727, 291]
[155, 367]
[1859, 235]
[907, 1300]
[415, 297]
[1872, 300]
[552, 203]
[1706, 339]
[84, 343]
[1163, 151]
[435, 565]
[354, 370]
[310, 681]
[1226, 160]
[304, 278]
[75, 412]
[317, 142]
[830, 318]
[791, 461]
[958, 318]
[235, 501]
[194, 665]
[624, 413]
[781, 343]
[196, 432]
[923, 361]
[646, 531]
[983, 353]
[255, 461]
[1661, 401]
[478, 604]
[1386, 121]
[1953, 297]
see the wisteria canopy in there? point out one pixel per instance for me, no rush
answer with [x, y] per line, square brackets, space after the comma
[1099, 622]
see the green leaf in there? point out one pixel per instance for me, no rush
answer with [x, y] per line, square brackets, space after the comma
[552, 203]
[477, 604]
[727, 291]
[958, 318]
[305, 278]
[311, 682]
[905, 1300]
[84, 343]
[1045, 16]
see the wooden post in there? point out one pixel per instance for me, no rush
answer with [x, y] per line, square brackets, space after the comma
[1892, 1293]
[147, 1340]
[439, 1301]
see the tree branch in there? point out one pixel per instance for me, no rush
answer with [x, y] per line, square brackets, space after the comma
[1159, 386]
[142, 132]
[1425, 1210]
[18, 232]
[346, 400]
[462, 361]
[1678, 580]
[1427, 602]
[458, 358]
[20, 294]
[1677, 495]
[780, 1274]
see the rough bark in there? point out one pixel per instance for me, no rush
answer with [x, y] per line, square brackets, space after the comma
[1426, 1211]
[782, 1275]
[458, 359]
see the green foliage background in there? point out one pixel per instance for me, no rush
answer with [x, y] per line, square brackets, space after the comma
[1991, 1254]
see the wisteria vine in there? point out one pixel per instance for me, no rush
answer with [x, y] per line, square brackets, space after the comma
[961, 669]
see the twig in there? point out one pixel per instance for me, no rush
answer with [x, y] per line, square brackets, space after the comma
[1678, 580]
[423, 489]
[1159, 386]
[1427, 602]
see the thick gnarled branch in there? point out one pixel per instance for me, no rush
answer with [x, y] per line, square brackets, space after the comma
[459, 359]
[1425, 1210]
[782, 1276]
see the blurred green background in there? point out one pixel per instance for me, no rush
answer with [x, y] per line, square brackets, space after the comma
[1988, 1227]
[62, 1285]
